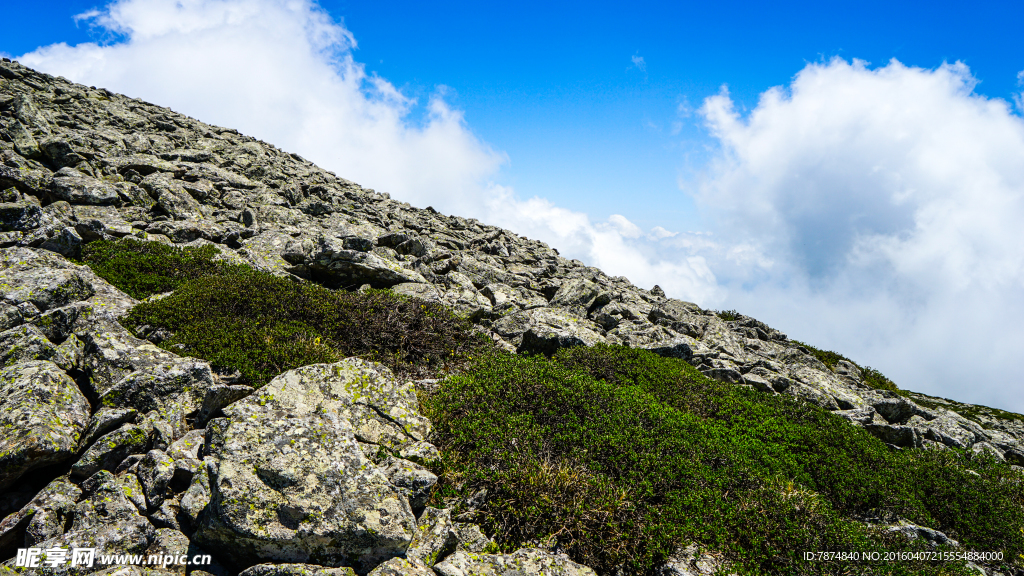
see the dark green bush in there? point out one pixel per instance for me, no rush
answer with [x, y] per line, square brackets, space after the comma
[141, 269]
[262, 325]
[728, 315]
[622, 455]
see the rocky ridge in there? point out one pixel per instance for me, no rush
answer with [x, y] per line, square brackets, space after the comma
[152, 451]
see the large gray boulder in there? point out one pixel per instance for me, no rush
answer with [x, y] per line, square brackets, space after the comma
[288, 481]
[42, 416]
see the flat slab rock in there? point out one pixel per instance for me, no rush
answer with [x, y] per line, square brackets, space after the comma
[289, 482]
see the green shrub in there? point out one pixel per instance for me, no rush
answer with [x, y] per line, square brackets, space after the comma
[262, 325]
[141, 269]
[728, 315]
[623, 455]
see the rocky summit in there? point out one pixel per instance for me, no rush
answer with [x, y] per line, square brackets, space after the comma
[110, 441]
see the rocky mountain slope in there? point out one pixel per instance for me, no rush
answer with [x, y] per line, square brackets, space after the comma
[110, 440]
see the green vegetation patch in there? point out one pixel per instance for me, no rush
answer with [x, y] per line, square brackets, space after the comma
[261, 325]
[622, 455]
[141, 269]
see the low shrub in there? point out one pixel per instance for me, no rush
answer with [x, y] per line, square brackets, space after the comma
[262, 325]
[242, 319]
[622, 456]
[141, 269]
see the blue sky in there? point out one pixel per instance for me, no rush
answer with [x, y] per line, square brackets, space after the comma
[857, 183]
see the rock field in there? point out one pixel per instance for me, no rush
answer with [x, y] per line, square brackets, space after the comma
[109, 441]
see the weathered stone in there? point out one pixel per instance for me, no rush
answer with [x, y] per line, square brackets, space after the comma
[42, 417]
[72, 186]
[528, 561]
[106, 520]
[345, 267]
[930, 536]
[169, 545]
[411, 479]
[23, 344]
[110, 449]
[44, 517]
[171, 197]
[155, 472]
[296, 570]
[552, 329]
[188, 446]
[288, 480]
[690, 561]
[104, 420]
[195, 499]
[402, 567]
[470, 538]
[435, 536]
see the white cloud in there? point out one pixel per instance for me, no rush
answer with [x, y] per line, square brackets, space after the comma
[284, 71]
[638, 61]
[891, 202]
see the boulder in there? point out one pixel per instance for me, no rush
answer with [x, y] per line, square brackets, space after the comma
[44, 517]
[42, 415]
[295, 570]
[402, 567]
[72, 186]
[288, 480]
[551, 329]
[525, 562]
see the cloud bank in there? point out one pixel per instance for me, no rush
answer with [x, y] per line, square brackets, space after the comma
[891, 202]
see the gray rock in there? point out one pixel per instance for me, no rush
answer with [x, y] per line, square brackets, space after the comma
[296, 570]
[402, 567]
[133, 491]
[106, 520]
[470, 538]
[683, 347]
[552, 329]
[930, 536]
[196, 498]
[111, 449]
[23, 344]
[435, 537]
[345, 267]
[188, 446]
[72, 186]
[218, 396]
[528, 561]
[42, 415]
[413, 480]
[903, 436]
[171, 197]
[44, 517]
[168, 542]
[289, 482]
[690, 561]
[105, 420]
[155, 473]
